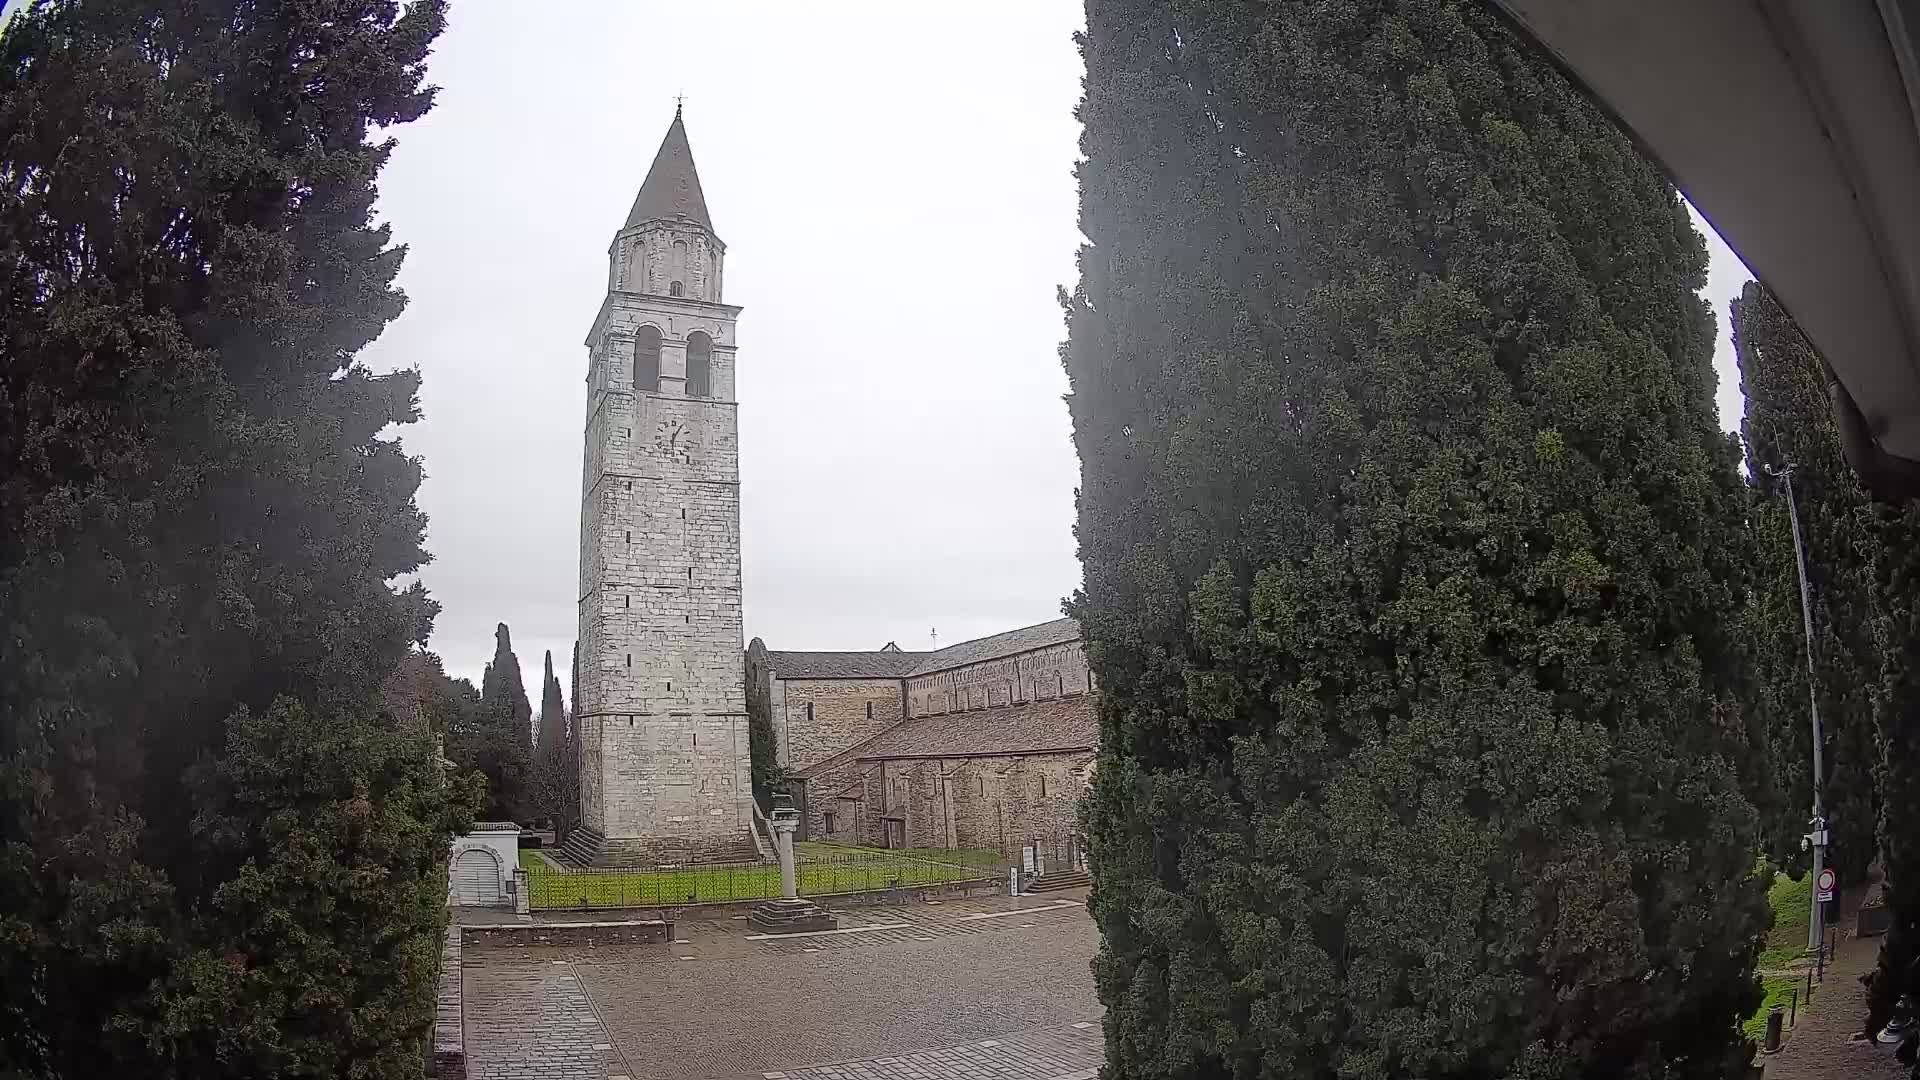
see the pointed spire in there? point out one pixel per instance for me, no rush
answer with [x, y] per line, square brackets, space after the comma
[672, 188]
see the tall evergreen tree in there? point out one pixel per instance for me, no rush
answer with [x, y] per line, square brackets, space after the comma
[555, 778]
[1790, 421]
[553, 712]
[496, 737]
[763, 759]
[202, 519]
[1413, 561]
[503, 691]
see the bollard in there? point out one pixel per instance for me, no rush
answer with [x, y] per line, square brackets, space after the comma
[1775, 1016]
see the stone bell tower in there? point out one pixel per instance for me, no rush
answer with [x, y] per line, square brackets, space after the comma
[661, 706]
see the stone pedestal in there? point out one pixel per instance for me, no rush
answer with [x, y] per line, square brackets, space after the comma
[791, 915]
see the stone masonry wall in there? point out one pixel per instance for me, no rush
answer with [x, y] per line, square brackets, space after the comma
[995, 803]
[818, 718]
[1037, 675]
[662, 698]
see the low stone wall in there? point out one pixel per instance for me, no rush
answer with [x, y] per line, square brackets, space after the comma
[610, 932]
[449, 1019]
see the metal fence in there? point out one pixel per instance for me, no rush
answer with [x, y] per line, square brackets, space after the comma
[819, 874]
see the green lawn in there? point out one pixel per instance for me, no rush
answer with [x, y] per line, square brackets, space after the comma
[1778, 989]
[985, 858]
[1787, 941]
[1786, 944]
[835, 870]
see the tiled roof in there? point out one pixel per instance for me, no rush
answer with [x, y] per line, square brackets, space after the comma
[1033, 727]
[672, 187]
[998, 645]
[842, 665]
[894, 664]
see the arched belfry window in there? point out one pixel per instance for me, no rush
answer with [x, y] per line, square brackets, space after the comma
[699, 365]
[676, 289]
[646, 360]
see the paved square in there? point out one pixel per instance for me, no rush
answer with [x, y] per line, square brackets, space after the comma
[950, 995]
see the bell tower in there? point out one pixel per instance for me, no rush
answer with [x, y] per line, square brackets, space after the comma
[661, 706]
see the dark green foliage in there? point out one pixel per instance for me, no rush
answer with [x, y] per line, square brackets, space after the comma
[555, 790]
[553, 713]
[1897, 727]
[1414, 561]
[1789, 419]
[501, 689]
[763, 753]
[493, 733]
[336, 827]
[201, 516]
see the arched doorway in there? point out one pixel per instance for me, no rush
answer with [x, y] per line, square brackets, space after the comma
[476, 878]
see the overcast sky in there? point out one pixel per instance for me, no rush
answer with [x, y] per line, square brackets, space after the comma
[894, 185]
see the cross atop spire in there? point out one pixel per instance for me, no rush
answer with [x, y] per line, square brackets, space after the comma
[672, 187]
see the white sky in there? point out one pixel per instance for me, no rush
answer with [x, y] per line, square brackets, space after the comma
[894, 184]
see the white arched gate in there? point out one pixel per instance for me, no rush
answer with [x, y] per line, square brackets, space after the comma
[476, 878]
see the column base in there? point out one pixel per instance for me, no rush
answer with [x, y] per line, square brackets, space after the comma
[792, 915]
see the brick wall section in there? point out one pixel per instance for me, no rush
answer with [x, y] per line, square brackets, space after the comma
[823, 788]
[1038, 675]
[994, 802]
[844, 712]
[1031, 816]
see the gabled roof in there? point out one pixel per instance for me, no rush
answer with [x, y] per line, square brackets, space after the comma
[1022, 640]
[1059, 725]
[842, 665]
[672, 187]
[891, 663]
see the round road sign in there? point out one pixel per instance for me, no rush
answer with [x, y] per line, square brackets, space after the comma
[1823, 885]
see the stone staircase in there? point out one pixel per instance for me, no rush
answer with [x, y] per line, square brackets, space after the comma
[1056, 880]
[584, 847]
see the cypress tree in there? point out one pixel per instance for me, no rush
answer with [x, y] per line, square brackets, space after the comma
[1789, 420]
[202, 521]
[497, 740]
[553, 712]
[762, 749]
[1413, 561]
[554, 776]
[503, 691]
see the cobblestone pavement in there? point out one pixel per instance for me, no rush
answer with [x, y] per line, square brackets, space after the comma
[531, 1019]
[1069, 1052]
[1821, 1044]
[722, 1003]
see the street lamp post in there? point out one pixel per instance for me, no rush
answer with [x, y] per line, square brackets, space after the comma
[1817, 838]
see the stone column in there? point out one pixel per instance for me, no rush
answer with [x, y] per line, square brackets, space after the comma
[783, 829]
[790, 914]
